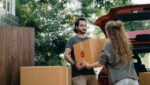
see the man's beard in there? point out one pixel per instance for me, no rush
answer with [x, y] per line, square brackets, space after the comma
[83, 31]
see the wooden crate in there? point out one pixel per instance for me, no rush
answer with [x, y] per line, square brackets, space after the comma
[46, 75]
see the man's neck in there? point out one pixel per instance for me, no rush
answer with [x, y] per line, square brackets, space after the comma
[81, 35]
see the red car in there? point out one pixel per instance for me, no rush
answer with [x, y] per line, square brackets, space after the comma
[135, 17]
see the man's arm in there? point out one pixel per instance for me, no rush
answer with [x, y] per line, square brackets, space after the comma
[67, 55]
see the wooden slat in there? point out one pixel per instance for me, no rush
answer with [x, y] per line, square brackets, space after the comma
[32, 46]
[1, 66]
[20, 46]
[26, 45]
[9, 54]
[20, 50]
[2, 56]
[15, 57]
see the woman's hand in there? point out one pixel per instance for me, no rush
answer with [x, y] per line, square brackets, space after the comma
[94, 65]
[88, 67]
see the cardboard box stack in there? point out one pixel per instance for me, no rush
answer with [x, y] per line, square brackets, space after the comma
[45, 75]
[144, 78]
[89, 51]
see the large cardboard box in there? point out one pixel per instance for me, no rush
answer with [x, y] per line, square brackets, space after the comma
[89, 50]
[45, 75]
[144, 78]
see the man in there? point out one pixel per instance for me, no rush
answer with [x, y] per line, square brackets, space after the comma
[80, 75]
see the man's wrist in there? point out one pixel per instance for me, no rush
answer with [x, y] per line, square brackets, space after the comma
[74, 64]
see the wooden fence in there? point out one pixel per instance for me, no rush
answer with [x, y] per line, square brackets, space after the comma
[16, 49]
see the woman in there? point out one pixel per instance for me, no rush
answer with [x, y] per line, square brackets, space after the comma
[117, 56]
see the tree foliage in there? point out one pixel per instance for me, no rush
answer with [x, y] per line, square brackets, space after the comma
[47, 19]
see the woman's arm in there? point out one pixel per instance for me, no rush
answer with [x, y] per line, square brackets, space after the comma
[94, 65]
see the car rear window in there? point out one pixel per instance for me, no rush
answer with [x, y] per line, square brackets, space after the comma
[137, 25]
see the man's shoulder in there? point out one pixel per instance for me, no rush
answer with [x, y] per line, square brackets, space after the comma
[78, 39]
[72, 38]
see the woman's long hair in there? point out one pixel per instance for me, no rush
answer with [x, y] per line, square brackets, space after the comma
[117, 35]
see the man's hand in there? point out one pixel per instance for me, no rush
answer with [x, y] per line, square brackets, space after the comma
[79, 66]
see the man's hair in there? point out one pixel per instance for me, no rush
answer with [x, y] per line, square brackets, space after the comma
[77, 24]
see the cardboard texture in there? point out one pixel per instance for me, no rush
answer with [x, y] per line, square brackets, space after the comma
[144, 78]
[45, 75]
[89, 50]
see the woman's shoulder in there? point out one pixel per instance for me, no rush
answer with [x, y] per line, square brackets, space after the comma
[108, 44]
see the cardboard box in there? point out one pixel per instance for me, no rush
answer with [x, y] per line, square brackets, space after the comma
[45, 75]
[89, 50]
[144, 78]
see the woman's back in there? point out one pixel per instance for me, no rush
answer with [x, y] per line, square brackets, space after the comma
[117, 69]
